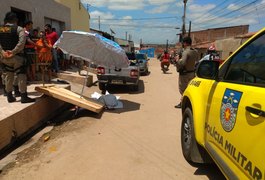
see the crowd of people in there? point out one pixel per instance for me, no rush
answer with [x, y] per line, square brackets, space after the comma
[21, 48]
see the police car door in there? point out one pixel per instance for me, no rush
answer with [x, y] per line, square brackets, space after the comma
[236, 123]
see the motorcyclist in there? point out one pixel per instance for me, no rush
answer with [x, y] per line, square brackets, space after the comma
[212, 55]
[165, 62]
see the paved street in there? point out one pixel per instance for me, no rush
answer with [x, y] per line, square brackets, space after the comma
[139, 142]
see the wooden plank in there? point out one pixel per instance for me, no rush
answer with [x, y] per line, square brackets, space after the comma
[71, 97]
[66, 91]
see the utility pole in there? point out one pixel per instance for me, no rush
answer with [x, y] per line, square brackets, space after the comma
[167, 45]
[189, 29]
[99, 23]
[184, 19]
[126, 35]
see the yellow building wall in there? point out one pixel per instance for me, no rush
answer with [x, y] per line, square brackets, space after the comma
[79, 16]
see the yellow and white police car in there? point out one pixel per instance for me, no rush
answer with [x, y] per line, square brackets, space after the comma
[223, 113]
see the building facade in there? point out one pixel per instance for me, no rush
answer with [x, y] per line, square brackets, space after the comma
[38, 11]
[127, 45]
[229, 45]
[210, 35]
[202, 40]
[79, 15]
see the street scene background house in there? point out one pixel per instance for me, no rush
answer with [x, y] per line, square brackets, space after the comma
[61, 14]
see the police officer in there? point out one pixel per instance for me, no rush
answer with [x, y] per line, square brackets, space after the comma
[186, 66]
[12, 42]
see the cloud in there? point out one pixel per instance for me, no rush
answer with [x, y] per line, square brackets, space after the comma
[127, 5]
[233, 7]
[159, 2]
[96, 14]
[179, 4]
[95, 3]
[127, 17]
[157, 10]
[117, 4]
[196, 8]
[202, 16]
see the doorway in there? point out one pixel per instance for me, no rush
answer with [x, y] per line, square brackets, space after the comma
[22, 16]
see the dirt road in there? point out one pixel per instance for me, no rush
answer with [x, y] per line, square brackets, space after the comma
[139, 142]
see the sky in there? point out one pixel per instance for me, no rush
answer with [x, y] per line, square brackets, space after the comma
[159, 21]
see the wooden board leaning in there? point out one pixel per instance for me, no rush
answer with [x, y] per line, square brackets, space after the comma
[71, 97]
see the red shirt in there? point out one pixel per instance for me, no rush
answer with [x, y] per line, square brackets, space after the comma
[165, 57]
[53, 36]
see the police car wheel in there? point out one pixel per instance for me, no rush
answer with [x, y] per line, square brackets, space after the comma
[187, 134]
[191, 150]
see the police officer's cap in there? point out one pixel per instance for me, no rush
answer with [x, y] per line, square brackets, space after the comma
[10, 16]
[187, 40]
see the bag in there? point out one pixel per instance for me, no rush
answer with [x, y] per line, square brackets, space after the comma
[110, 101]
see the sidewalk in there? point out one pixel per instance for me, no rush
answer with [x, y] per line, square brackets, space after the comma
[17, 119]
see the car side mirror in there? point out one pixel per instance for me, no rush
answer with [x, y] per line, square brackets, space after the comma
[208, 69]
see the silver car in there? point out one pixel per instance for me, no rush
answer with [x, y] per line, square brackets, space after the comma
[142, 61]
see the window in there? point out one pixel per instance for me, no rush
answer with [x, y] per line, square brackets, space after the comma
[23, 16]
[248, 65]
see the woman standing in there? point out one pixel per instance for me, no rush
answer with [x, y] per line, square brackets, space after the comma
[44, 53]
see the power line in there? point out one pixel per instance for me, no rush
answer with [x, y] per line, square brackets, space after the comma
[216, 7]
[141, 26]
[137, 19]
[222, 9]
[239, 16]
[245, 6]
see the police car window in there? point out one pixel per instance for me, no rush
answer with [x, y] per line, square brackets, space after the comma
[247, 66]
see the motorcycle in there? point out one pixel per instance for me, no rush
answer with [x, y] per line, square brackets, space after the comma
[165, 62]
[165, 68]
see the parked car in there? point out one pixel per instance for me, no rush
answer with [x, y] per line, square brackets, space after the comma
[223, 113]
[143, 63]
[120, 76]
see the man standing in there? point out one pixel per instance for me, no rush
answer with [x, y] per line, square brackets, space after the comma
[12, 42]
[186, 66]
[52, 36]
[29, 51]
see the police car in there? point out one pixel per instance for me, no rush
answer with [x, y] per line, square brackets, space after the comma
[223, 113]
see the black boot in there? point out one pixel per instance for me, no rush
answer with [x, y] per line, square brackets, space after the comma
[4, 88]
[10, 97]
[16, 90]
[26, 99]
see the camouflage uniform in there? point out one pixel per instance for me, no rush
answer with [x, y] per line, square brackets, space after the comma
[16, 63]
[12, 37]
[186, 67]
